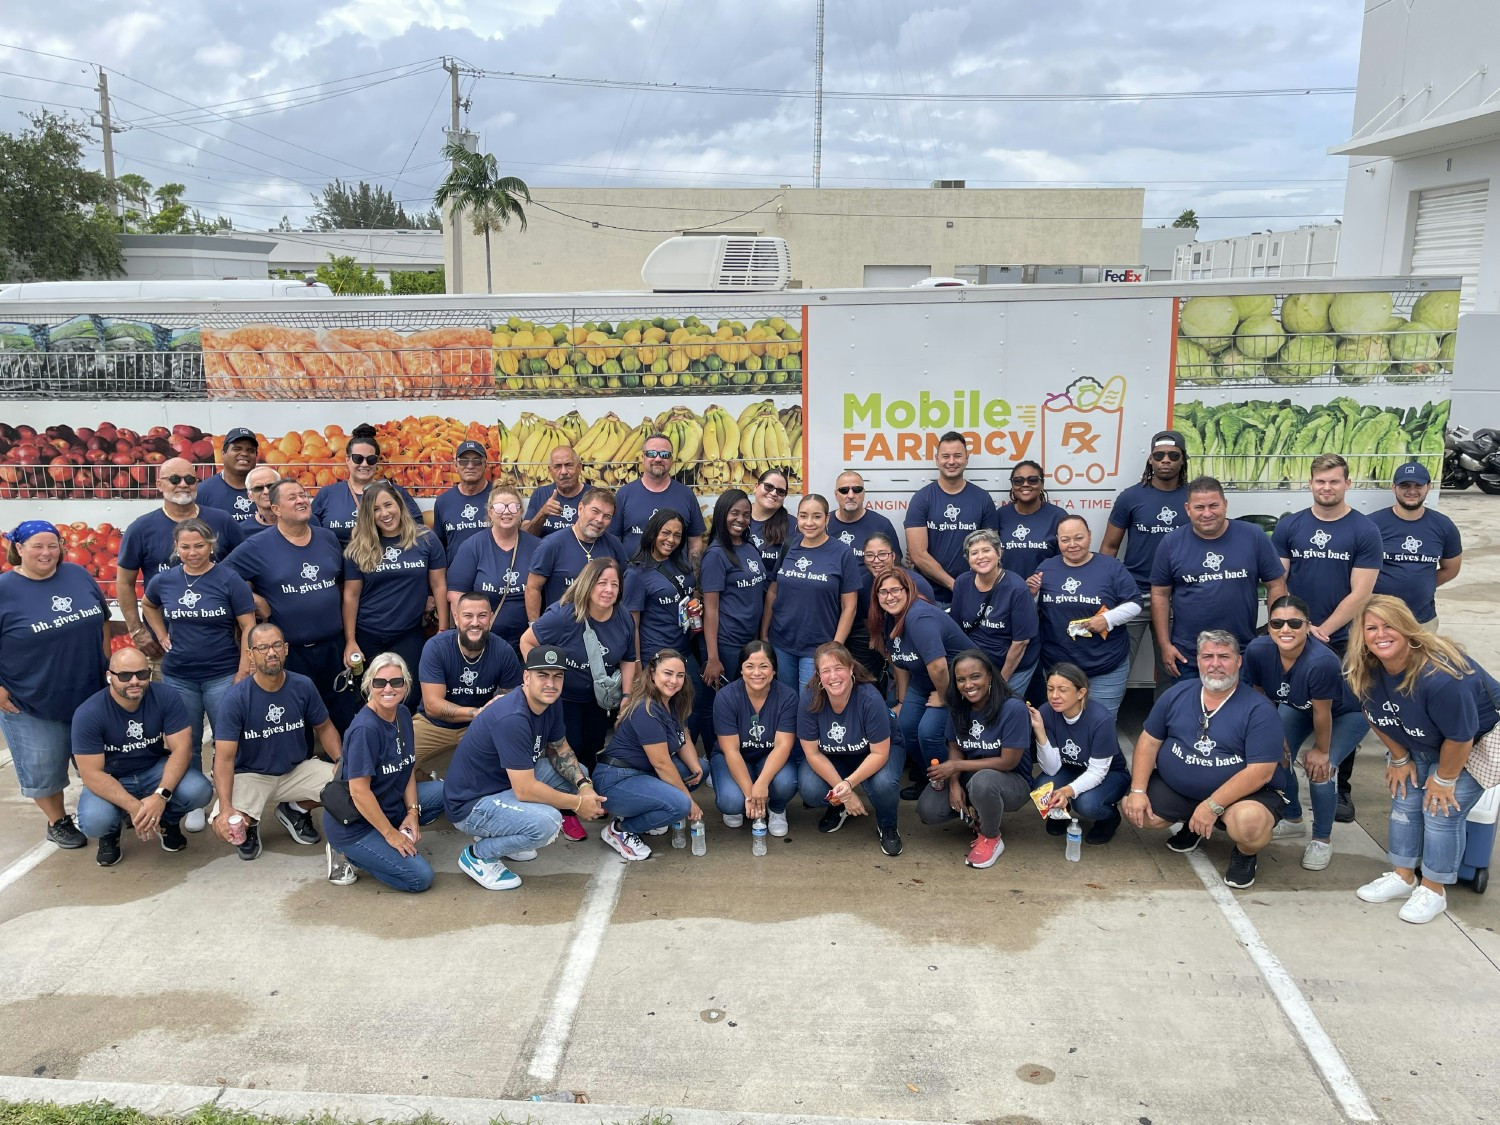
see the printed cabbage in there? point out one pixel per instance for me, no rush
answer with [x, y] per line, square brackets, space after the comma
[1210, 321]
[1260, 337]
[1306, 312]
[1359, 314]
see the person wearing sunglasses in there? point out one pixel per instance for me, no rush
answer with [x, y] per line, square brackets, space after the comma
[258, 482]
[336, 506]
[637, 501]
[459, 512]
[770, 526]
[261, 750]
[941, 515]
[1423, 549]
[853, 522]
[1304, 678]
[496, 564]
[1209, 757]
[1027, 523]
[379, 763]
[132, 743]
[146, 547]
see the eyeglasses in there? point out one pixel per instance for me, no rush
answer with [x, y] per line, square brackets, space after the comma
[892, 592]
[657, 454]
[180, 478]
[850, 490]
[508, 508]
[380, 683]
[126, 677]
[266, 650]
[1025, 480]
[1166, 455]
[364, 458]
[260, 488]
[771, 489]
[1287, 622]
[880, 556]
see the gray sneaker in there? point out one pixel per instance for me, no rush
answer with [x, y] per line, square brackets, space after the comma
[341, 872]
[64, 833]
[1317, 855]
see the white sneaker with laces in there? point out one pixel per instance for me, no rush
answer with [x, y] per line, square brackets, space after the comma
[341, 872]
[777, 824]
[525, 855]
[1289, 830]
[1317, 855]
[734, 820]
[195, 821]
[630, 846]
[1388, 888]
[1423, 906]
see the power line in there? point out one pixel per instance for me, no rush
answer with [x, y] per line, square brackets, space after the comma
[654, 230]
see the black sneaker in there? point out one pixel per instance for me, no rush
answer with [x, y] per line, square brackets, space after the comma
[250, 849]
[1343, 812]
[1184, 840]
[298, 824]
[109, 850]
[172, 839]
[64, 833]
[911, 792]
[890, 840]
[1103, 831]
[1240, 874]
[833, 818]
[1057, 826]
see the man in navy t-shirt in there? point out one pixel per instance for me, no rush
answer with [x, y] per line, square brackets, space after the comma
[852, 522]
[553, 507]
[134, 752]
[1422, 547]
[462, 671]
[261, 748]
[1210, 757]
[942, 514]
[258, 484]
[226, 490]
[638, 501]
[561, 558]
[463, 510]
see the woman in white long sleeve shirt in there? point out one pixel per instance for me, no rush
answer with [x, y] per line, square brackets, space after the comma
[1079, 752]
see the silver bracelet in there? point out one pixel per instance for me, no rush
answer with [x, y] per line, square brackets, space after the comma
[1390, 761]
[1433, 776]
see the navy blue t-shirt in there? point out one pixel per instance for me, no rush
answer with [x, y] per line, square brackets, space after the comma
[652, 594]
[566, 519]
[867, 587]
[301, 584]
[216, 492]
[635, 504]
[1245, 730]
[741, 590]
[929, 634]
[855, 533]
[1411, 550]
[864, 720]
[467, 684]
[993, 621]
[394, 596]
[456, 517]
[335, 506]
[1315, 674]
[1214, 582]
[1442, 707]
[253, 526]
[1025, 540]
[480, 566]
[1091, 735]
[978, 739]
[560, 559]
[1146, 513]
[557, 626]
[809, 589]
[647, 724]
[735, 716]
[1323, 555]
[130, 741]
[508, 735]
[771, 554]
[147, 547]
[201, 617]
[1071, 592]
[52, 640]
[271, 728]
[386, 753]
[949, 520]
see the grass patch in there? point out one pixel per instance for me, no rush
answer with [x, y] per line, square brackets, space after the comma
[106, 1113]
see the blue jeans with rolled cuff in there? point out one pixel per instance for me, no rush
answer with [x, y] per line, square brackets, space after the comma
[1348, 731]
[1099, 803]
[1431, 839]
[882, 787]
[505, 824]
[371, 853]
[97, 817]
[731, 800]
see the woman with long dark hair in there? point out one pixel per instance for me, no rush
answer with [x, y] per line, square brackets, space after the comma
[755, 718]
[658, 581]
[770, 526]
[882, 555]
[1028, 523]
[812, 597]
[336, 506]
[1078, 748]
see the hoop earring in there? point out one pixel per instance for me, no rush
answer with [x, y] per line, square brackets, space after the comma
[1411, 644]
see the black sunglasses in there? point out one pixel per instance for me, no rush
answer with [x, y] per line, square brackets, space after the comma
[126, 677]
[364, 458]
[1166, 455]
[1286, 622]
[180, 478]
[1025, 480]
[772, 490]
[259, 488]
[380, 682]
[850, 490]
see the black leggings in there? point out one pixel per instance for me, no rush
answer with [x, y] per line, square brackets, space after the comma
[587, 727]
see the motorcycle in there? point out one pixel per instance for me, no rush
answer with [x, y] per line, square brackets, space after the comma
[1471, 457]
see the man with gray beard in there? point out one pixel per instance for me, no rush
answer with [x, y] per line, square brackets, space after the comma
[1210, 757]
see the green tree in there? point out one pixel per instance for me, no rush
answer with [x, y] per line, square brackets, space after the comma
[148, 210]
[365, 206]
[476, 186]
[409, 282]
[54, 219]
[1188, 218]
[347, 277]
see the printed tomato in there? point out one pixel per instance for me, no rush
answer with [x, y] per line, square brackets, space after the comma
[79, 556]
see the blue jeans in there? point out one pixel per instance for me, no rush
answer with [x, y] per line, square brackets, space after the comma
[1020, 679]
[370, 852]
[641, 801]
[506, 824]
[793, 670]
[923, 732]
[200, 698]
[41, 750]
[1348, 730]
[1108, 688]
[1434, 841]
[1099, 803]
[883, 787]
[731, 800]
[97, 817]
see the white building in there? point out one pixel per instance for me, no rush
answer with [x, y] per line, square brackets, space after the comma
[1308, 251]
[384, 251]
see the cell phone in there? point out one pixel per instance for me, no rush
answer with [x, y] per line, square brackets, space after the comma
[722, 682]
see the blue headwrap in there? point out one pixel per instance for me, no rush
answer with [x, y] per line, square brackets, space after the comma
[27, 528]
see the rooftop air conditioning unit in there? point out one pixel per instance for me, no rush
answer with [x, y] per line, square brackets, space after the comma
[950, 183]
[717, 264]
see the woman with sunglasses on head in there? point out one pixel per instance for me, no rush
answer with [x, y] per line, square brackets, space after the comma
[495, 563]
[336, 506]
[995, 609]
[812, 597]
[53, 655]
[1429, 702]
[733, 581]
[770, 526]
[391, 564]
[1028, 522]
[1304, 678]
[881, 557]
[755, 720]
[1078, 748]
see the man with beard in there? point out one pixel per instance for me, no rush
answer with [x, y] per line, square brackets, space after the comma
[463, 510]
[554, 507]
[226, 490]
[941, 516]
[1210, 757]
[638, 501]
[1423, 549]
[461, 671]
[258, 482]
[561, 558]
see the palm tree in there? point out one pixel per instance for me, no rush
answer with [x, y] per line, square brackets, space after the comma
[492, 200]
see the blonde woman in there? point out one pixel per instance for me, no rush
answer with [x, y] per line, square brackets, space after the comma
[495, 563]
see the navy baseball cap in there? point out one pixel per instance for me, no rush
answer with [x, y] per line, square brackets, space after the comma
[240, 433]
[1413, 472]
[470, 447]
[545, 657]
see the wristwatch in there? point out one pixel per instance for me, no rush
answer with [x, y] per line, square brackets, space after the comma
[164, 793]
[1215, 808]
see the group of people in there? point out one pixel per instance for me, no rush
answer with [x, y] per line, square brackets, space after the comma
[587, 654]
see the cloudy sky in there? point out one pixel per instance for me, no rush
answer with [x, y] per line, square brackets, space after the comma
[255, 105]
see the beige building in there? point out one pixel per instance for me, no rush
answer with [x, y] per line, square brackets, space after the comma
[597, 238]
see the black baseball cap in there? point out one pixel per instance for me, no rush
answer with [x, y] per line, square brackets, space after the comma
[240, 433]
[1169, 437]
[545, 658]
[470, 447]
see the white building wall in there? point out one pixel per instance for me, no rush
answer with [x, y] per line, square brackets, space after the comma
[1304, 252]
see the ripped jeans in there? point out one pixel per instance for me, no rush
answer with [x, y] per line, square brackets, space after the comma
[1435, 841]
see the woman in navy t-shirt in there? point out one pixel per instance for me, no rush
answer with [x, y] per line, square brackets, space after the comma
[658, 581]
[996, 611]
[52, 658]
[1079, 751]
[770, 526]
[813, 596]
[379, 763]
[1028, 523]
[882, 555]
[755, 728]
[336, 506]
[733, 580]
[495, 563]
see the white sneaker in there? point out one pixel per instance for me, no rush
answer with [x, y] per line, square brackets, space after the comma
[1423, 906]
[1289, 830]
[1317, 855]
[490, 874]
[734, 820]
[525, 855]
[195, 821]
[777, 824]
[662, 831]
[1388, 888]
[630, 846]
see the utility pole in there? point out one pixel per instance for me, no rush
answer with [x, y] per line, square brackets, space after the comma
[818, 107]
[457, 134]
[109, 142]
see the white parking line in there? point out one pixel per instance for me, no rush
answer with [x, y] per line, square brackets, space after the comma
[1336, 1074]
[593, 919]
[18, 869]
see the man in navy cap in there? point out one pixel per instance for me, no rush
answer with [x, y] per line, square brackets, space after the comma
[464, 508]
[226, 490]
[1421, 547]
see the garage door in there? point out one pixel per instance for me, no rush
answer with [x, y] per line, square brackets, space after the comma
[887, 277]
[1449, 235]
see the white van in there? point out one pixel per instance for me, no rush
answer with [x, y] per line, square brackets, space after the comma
[186, 290]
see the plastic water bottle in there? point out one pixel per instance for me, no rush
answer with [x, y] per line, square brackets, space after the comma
[679, 834]
[758, 837]
[936, 784]
[700, 838]
[1074, 850]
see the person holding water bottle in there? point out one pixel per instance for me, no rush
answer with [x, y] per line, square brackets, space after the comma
[1079, 752]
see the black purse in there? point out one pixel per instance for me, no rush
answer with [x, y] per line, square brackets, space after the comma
[337, 802]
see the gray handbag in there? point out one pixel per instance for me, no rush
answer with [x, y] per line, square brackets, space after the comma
[608, 691]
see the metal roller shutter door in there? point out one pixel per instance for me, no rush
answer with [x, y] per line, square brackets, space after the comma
[1449, 235]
